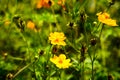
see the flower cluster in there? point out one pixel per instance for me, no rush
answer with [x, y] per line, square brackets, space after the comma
[61, 61]
[105, 18]
[57, 38]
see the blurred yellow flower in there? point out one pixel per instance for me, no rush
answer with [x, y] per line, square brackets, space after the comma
[105, 18]
[44, 3]
[61, 2]
[57, 38]
[61, 61]
[31, 25]
[7, 22]
[111, 22]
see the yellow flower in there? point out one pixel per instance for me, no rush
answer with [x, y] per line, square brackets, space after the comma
[61, 61]
[57, 38]
[105, 18]
[111, 22]
[54, 59]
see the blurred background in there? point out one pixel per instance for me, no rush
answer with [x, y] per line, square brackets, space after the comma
[25, 26]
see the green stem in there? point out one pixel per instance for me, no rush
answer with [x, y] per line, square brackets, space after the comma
[92, 58]
[24, 39]
[92, 62]
[72, 45]
[58, 28]
[60, 74]
[84, 4]
[86, 37]
[92, 69]
[22, 70]
[97, 27]
[34, 68]
[16, 5]
[16, 58]
[82, 72]
[101, 31]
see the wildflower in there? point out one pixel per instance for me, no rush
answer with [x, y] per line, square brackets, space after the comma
[93, 41]
[105, 18]
[7, 22]
[55, 49]
[61, 2]
[9, 76]
[57, 38]
[30, 25]
[61, 61]
[36, 57]
[95, 23]
[44, 3]
[111, 22]
[41, 52]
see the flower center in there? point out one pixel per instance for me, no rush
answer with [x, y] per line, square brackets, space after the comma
[106, 17]
[56, 40]
[60, 61]
[50, 3]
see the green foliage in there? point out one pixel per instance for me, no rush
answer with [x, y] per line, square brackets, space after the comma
[92, 47]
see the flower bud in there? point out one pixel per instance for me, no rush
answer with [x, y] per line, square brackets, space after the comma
[5, 54]
[83, 50]
[95, 23]
[112, 2]
[9, 76]
[93, 41]
[50, 2]
[41, 52]
[110, 77]
[36, 57]
[54, 50]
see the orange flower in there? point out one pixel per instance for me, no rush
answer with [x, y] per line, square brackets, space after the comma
[31, 25]
[44, 3]
[61, 2]
[7, 22]
[105, 18]
[61, 61]
[57, 38]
